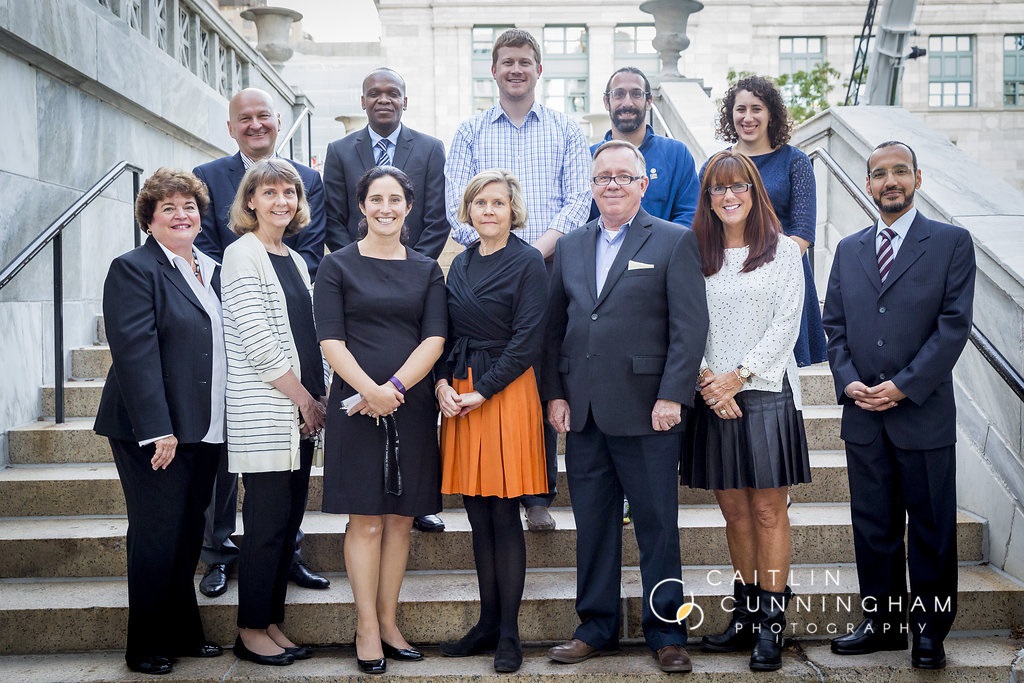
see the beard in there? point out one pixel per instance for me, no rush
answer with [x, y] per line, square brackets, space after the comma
[894, 205]
[627, 125]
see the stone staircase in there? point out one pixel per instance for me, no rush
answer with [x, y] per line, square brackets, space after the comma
[63, 598]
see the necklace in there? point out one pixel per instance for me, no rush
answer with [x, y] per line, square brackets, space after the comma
[195, 266]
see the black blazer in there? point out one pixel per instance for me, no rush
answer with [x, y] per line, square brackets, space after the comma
[910, 330]
[641, 339]
[223, 176]
[161, 344]
[420, 156]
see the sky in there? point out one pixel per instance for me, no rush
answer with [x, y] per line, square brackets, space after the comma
[336, 21]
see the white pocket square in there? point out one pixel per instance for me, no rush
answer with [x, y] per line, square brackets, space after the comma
[639, 265]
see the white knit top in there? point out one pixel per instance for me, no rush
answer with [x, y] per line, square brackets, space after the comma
[755, 318]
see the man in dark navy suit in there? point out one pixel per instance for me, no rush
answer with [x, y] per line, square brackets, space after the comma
[253, 122]
[898, 314]
[628, 322]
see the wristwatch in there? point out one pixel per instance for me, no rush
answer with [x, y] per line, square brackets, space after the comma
[743, 373]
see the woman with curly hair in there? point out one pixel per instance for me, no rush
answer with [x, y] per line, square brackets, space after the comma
[754, 118]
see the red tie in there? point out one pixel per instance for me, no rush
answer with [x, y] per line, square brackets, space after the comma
[885, 255]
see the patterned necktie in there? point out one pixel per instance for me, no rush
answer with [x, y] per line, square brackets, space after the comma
[885, 255]
[383, 158]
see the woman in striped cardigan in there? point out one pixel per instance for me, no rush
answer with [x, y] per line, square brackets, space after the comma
[275, 390]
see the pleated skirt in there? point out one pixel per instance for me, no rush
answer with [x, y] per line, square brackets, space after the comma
[497, 449]
[764, 449]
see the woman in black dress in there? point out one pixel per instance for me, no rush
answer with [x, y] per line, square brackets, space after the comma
[381, 318]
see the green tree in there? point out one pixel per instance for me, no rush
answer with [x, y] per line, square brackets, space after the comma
[804, 92]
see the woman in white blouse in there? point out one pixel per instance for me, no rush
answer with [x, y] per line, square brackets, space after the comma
[746, 438]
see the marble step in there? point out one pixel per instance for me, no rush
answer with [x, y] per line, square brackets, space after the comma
[94, 488]
[973, 658]
[89, 368]
[94, 546]
[82, 615]
[43, 441]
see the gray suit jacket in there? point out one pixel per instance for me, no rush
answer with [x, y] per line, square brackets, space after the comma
[911, 330]
[615, 353]
[420, 156]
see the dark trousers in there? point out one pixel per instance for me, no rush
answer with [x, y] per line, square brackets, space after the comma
[550, 460]
[888, 487]
[218, 548]
[165, 532]
[272, 512]
[600, 469]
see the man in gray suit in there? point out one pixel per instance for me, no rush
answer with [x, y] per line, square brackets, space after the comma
[386, 141]
[627, 328]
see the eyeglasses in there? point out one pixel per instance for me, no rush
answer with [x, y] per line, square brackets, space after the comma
[737, 188]
[898, 171]
[622, 93]
[618, 179]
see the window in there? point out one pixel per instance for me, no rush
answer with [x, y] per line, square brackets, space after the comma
[1013, 70]
[564, 85]
[485, 91]
[950, 71]
[633, 47]
[800, 53]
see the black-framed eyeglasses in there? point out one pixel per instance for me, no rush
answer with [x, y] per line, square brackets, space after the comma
[737, 188]
[633, 93]
[617, 179]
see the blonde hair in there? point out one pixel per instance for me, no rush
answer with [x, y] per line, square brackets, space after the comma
[268, 172]
[495, 175]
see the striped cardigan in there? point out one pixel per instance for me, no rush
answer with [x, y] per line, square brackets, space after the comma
[263, 423]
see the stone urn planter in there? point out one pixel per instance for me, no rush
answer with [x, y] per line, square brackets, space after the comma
[273, 30]
[670, 18]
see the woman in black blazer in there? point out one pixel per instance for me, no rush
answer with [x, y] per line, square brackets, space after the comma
[163, 411]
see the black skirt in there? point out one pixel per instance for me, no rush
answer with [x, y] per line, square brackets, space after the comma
[764, 449]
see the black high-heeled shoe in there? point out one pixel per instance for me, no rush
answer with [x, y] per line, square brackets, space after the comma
[401, 654]
[242, 652]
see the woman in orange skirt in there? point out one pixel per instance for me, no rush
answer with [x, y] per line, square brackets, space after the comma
[492, 440]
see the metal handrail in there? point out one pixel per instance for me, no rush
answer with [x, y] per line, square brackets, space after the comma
[54, 233]
[989, 352]
[306, 114]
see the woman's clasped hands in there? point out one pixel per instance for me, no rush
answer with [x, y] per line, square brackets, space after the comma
[453, 403]
[719, 391]
[382, 400]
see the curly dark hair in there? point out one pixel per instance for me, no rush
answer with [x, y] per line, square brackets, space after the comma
[164, 183]
[779, 126]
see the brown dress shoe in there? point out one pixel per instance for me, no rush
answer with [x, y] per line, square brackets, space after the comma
[673, 659]
[573, 652]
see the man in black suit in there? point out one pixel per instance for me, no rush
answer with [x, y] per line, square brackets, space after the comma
[898, 314]
[385, 141]
[420, 156]
[627, 329]
[253, 122]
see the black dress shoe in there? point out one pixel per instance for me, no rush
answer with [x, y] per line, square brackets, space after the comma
[428, 523]
[473, 643]
[301, 575]
[203, 649]
[150, 665]
[508, 656]
[927, 653]
[214, 581]
[299, 652]
[870, 636]
[401, 654]
[372, 666]
[242, 652]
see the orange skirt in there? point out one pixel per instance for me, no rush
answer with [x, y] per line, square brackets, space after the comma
[497, 449]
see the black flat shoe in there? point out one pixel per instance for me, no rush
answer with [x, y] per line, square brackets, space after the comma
[401, 654]
[299, 652]
[154, 666]
[473, 643]
[372, 666]
[242, 652]
[428, 523]
[508, 656]
[202, 650]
